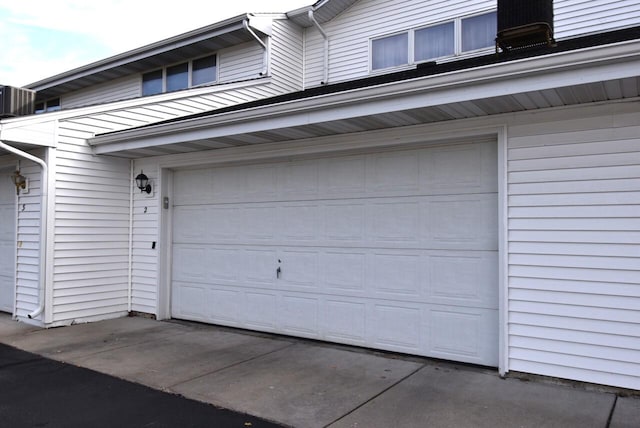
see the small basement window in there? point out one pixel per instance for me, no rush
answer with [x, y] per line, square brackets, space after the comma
[446, 39]
[185, 75]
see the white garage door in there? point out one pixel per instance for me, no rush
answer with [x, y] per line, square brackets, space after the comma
[392, 250]
[7, 240]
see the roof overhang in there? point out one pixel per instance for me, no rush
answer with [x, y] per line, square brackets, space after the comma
[27, 136]
[598, 73]
[175, 49]
[323, 11]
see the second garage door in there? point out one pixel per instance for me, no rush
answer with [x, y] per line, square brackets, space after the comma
[393, 250]
[7, 240]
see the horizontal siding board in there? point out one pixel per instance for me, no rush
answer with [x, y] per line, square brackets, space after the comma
[576, 361]
[606, 352]
[585, 186]
[535, 321]
[581, 224]
[631, 211]
[576, 299]
[581, 161]
[566, 200]
[617, 343]
[582, 274]
[569, 372]
[576, 174]
[583, 249]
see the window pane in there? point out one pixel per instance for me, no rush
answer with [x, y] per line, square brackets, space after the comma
[479, 31]
[178, 77]
[152, 83]
[390, 51]
[53, 104]
[434, 42]
[204, 70]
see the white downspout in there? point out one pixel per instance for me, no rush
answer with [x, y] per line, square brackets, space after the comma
[43, 218]
[325, 79]
[130, 273]
[265, 58]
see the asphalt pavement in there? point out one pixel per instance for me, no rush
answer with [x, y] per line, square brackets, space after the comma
[138, 372]
[39, 392]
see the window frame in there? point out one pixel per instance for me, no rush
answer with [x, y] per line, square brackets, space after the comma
[189, 75]
[457, 42]
[48, 106]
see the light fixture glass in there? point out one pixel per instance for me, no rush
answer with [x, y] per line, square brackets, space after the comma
[142, 181]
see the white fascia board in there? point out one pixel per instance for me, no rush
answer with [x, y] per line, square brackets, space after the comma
[204, 33]
[594, 64]
[38, 134]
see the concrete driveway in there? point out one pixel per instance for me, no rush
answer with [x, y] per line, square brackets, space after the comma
[303, 383]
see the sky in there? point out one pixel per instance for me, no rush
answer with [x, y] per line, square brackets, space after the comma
[42, 38]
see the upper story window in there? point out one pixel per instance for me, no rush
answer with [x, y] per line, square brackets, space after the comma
[52, 104]
[446, 39]
[180, 76]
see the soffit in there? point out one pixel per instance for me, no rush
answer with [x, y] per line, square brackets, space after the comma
[609, 90]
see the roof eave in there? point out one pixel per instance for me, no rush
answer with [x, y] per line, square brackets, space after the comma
[595, 63]
[184, 39]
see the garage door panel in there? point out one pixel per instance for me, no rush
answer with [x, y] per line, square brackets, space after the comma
[463, 334]
[7, 242]
[463, 279]
[451, 168]
[394, 250]
[345, 321]
[259, 313]
[342, 271]
[299, 315]
[453, 222]
[395, 275]
[298, 269]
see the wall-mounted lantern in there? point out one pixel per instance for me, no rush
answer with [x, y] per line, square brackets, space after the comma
[20, 181]
[142, 181]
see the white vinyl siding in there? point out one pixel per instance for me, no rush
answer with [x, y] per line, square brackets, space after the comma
[91, 230]
[576, 17]
[242, 62]
[116, 90]
[286, 56]
[350, 32]
[574, 248]
[145, 259]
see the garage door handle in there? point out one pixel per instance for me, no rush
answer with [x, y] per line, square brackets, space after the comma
[278, 272]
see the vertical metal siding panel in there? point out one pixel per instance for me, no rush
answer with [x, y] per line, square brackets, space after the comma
[574, 264]
[116, 90]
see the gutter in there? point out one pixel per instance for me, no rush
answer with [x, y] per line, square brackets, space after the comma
[325, 79]
[43, 219]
